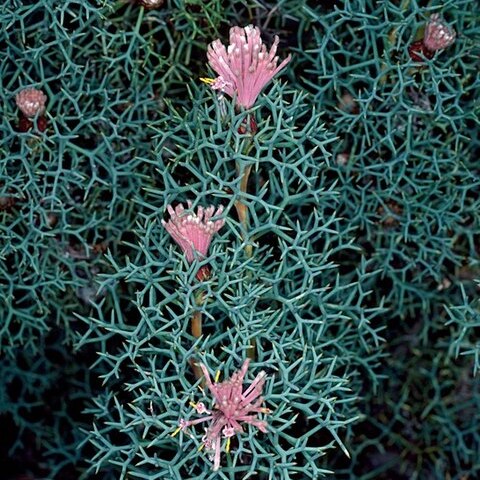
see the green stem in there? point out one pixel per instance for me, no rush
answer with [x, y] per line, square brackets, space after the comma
[242, 211]
[241, 207]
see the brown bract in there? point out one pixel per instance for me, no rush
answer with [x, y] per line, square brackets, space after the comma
[418, 52]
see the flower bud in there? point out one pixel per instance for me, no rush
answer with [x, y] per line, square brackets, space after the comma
[31, 102]
[438, 35]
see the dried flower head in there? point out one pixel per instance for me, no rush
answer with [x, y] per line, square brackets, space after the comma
[193, 232]
[232, 408]
[245, 66]
[438, 34]
[418, 52]
[25, 124]
[6, 203]
[31, 102]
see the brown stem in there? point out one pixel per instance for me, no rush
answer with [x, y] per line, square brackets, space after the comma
[197, 333]
[197, 371]
[197, 324]
[252, 349]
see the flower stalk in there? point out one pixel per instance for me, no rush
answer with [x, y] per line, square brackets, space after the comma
[241, 206]
[193, 233]
[244, 67]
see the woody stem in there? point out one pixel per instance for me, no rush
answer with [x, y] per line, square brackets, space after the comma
[197, 324]
[197, 333]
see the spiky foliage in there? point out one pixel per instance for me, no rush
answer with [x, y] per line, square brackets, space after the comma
[463, 323]
[362, 205]
[288, 298]
[408, 179]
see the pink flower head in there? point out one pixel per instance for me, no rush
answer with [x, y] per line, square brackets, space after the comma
[233, 407]
[438, 34]
[245, 67]
[193, 232]
[31, 101]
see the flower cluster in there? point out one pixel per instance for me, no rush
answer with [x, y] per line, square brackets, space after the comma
[438, 35]
[232, 408]
[31, 102]
[245, 66]
[193, 232]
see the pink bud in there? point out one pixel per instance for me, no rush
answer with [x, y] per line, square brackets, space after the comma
[438, 35]
[31, 102]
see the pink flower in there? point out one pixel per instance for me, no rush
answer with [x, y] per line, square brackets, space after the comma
[245, 67]
[438, 34]
[233, 407]
[193, 232]
[31, 101]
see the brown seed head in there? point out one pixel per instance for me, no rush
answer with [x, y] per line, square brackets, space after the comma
[417, 49]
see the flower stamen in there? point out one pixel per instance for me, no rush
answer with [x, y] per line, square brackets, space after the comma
[233, 407]
[193, 232]
[245, 67]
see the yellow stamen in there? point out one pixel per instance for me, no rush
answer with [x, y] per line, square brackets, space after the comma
[217, 376]
[227, 446]
[176, 432]
[200, 448]
[193, 405]
[265, 410]
[208, 81]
